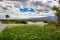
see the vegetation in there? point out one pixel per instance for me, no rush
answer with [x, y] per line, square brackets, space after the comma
[14, 21]
[45, 21]
[31, 32]
[57, 9]
[52, 22]
[7, 16]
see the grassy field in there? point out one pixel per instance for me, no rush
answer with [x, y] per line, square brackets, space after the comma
[31, 32]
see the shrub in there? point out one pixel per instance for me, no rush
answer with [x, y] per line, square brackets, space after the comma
[24, 21]
[30, 32]
[52, 22]
[45, 21]
[14, 21]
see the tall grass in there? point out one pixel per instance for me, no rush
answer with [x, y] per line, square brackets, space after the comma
[31, 32]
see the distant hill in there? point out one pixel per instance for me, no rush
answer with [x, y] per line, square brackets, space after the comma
[44, 18]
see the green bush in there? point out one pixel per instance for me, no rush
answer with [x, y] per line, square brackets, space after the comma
[52, 22]
[14, 21]
[45, 21]
[31, 32]
[22, 21]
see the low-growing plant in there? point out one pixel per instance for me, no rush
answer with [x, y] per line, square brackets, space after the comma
[14, 21]
[23, 21]
[52, 22]
[31, 32]
[45, 21]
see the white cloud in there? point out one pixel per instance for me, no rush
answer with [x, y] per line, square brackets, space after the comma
[15, 12]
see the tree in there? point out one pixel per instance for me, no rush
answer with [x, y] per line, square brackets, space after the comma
[57, 9]
[7, 16]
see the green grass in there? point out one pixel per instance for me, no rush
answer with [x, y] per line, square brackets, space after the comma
[31, 32]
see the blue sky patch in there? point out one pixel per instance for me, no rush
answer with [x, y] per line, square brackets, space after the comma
[27, 10]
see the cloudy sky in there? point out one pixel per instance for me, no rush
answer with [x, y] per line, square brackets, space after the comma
[42, 8]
